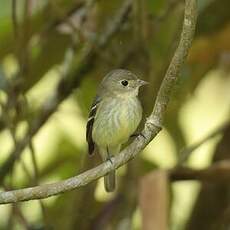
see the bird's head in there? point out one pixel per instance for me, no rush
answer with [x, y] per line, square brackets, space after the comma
[122, 82]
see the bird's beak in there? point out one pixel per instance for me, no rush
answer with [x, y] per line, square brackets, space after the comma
[141, 82]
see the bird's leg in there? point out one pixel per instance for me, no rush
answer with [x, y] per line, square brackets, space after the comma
[109, 156]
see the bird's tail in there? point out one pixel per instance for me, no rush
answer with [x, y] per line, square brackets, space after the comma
[110, 181]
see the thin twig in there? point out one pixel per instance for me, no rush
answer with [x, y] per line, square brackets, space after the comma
[36, 176]
[14, 17]
[24, 167]
[21, 218]
[186, 152]
[10, 125]
[151, 129]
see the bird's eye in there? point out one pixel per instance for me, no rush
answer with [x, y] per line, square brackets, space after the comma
[124, 82]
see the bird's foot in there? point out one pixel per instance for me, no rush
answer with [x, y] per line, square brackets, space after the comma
[110, 159]
[138, 134]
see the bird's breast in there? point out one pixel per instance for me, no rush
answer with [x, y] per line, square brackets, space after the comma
[116, 120]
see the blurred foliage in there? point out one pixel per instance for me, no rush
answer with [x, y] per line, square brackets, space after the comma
[40, 42]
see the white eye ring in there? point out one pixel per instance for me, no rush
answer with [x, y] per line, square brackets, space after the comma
[124, 82]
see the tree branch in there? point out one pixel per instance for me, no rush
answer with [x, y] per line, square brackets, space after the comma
[216, 173]
[151, 129]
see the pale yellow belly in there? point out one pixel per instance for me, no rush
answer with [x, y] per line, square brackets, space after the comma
[116, 121]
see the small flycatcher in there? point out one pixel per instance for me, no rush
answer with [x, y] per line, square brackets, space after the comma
[114, 116]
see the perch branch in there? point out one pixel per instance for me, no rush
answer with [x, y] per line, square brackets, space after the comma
[151, 129]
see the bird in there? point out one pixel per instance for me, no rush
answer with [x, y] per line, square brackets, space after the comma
[114, 116]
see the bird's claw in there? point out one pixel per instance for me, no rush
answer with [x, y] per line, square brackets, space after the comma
[111, 161]
[138, 134]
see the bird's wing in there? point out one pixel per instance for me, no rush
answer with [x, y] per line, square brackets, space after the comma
[89, 126]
